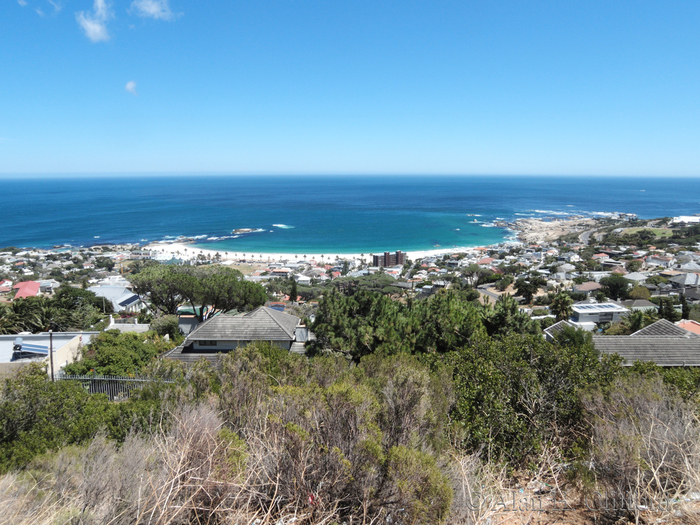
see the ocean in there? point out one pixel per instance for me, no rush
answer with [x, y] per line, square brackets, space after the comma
[316, 214]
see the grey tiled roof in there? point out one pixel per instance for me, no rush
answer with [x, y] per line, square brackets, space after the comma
[638, 303]
[686, 279]
[186, 355]
[262, 324]
[664, 351]
[665, 328]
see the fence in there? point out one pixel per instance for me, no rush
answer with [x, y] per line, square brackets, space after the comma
[117, 388]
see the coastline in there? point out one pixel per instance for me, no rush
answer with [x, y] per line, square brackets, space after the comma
[187, 251]
[528, 231]
[536, 231]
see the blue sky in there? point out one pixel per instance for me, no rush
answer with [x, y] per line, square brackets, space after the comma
[472, 87]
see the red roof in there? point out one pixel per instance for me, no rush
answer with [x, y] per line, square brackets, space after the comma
[486, 260]
[26, 289]
[691, 326]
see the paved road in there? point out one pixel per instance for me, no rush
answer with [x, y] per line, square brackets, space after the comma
[487, 292]
[585, 236]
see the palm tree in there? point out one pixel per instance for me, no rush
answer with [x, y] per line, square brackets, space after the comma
[635, 321]
[561, 306]
[9, 323]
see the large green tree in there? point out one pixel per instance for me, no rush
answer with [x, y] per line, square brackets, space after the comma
[207, 290]
[162, 285]
[615, 286]
[526, 288]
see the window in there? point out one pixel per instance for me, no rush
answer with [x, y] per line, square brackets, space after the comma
[207, 343]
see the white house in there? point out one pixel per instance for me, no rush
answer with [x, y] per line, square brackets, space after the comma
[598, 312]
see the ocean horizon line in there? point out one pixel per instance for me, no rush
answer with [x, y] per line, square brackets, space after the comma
[310, 174]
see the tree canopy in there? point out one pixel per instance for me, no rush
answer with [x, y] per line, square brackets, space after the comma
[615, 286]
[68, 310]
[206, 289]
[365, 323]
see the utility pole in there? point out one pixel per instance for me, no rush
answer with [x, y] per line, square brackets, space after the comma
[51, 353]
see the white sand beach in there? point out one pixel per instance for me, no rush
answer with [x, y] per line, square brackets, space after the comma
[190, 252]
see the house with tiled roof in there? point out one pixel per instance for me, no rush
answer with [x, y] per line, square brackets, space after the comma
[27, 289]
[640, 305]
[588, 287]
[691, 326]
[663, 343]
[662, 328]
[224, 333]
[685, 280]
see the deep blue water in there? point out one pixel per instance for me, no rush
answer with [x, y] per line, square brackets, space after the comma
[314, 213]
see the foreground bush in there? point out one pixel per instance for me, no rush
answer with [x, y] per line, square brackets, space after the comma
[199, 472]
[645, 440]
[38, 415]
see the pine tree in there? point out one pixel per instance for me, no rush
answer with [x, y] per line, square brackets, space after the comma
[293, 291]
[685, 309]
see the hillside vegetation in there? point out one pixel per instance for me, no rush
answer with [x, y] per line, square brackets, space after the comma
[426, 412]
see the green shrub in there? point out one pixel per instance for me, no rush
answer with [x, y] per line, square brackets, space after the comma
[115, 353]
[167, 324]
[417, 486]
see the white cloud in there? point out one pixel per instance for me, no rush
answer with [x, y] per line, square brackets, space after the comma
[158, 9]
[39, 11]
[57, 6]
[23, 3]
[95, 24]
[131, 87]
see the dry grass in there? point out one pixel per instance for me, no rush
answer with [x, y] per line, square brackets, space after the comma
[195, 473]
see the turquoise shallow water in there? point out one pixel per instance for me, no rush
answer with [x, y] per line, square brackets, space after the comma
[335, 214]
